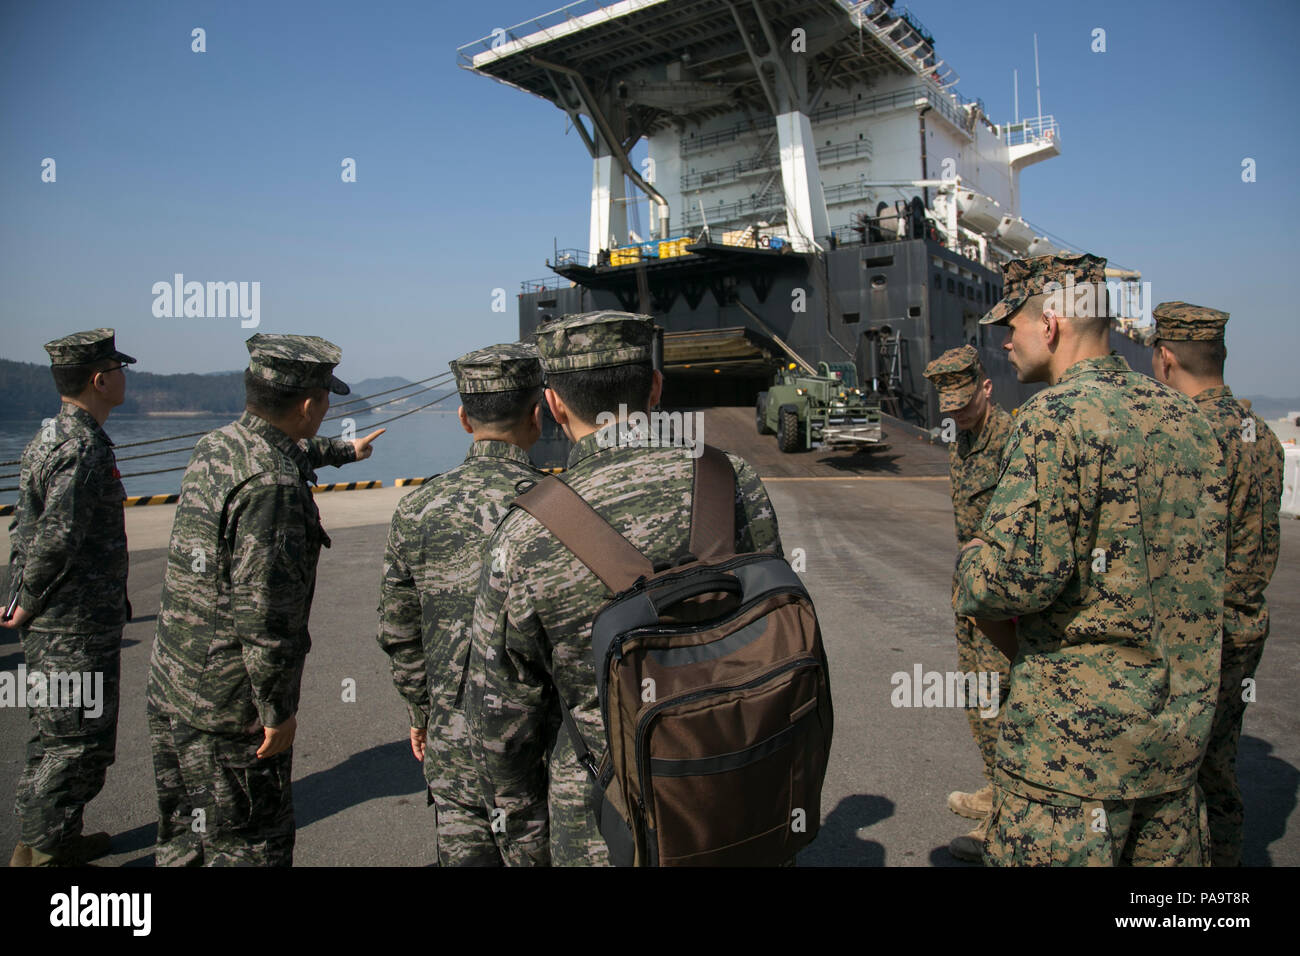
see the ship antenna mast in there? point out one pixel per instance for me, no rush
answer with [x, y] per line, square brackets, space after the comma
[1037, 89]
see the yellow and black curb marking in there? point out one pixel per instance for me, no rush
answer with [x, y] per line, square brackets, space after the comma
[137, 500]
[348, 486]
[406, 482]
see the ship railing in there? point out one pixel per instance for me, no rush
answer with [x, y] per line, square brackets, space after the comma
[544, 25]
[1034, 129]
[723, 175]
[928, 92]
[549, 284]
[849, 150]
[729, 212]
[846, 192]
[573, 257]
[698, 144]
[728, 174]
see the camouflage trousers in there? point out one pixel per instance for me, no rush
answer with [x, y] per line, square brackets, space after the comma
[69, 749]
[462, 825]
[1218, 774]
[977, 654]
[218, 804]
[1032, 826]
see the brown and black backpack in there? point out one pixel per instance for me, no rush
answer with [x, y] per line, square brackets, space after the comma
[713, 688]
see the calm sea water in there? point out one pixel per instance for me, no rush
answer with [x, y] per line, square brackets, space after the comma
[421, 444]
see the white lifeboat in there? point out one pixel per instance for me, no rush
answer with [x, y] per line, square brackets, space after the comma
[1015, 232]
[979, 213]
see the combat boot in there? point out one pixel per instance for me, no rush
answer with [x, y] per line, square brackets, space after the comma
[22, 855]
[970, 846]
[973, 806]
[78, 851]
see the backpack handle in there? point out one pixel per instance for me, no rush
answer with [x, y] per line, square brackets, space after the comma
[709, 584]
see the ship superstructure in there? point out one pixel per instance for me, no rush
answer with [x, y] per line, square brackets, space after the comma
[815, 186]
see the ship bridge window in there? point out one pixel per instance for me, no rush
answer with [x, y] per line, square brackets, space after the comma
[913, 311]
[851, 317]
[880, 262]
[987, 294]
[951, 286]
[938, 281]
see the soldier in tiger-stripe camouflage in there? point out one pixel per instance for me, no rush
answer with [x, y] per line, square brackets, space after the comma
[232, 634]
[431, 575]
[532, 622]
[68, 580]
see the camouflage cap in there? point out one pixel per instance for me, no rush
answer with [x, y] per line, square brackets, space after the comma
[296, 361]
[957, 374]
[1022, 278]
[498, 368]
[595, 340]
[1184, 322]
[82, 348]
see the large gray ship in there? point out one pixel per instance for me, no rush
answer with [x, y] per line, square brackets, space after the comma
[814, 189]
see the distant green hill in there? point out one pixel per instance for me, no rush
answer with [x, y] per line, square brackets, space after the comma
[26, 391]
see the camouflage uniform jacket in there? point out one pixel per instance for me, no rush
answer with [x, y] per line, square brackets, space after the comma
[533, 616]
[68, 534]
[431, 573]
[1114, 687]
[974, 465]
[241, 571]
[1255, 470]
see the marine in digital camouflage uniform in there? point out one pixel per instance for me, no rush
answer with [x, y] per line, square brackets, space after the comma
[431, 575]
[1106, 536]
[536, 600]
[68, 547]
[974, 458]
[1188, 356]
[232, 632]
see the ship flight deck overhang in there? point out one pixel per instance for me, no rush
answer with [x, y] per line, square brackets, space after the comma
[688, 61]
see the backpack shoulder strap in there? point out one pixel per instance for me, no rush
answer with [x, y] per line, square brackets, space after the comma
[582, 530]
[713, 506]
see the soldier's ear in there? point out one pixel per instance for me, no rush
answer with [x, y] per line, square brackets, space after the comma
[558, 410]
[464, 420]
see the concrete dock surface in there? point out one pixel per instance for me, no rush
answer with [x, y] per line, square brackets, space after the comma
[876, 532]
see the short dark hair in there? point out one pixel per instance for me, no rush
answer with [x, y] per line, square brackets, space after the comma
[72, 380]
[1202, 359]
[503, 410]
[588, 392]
[270, 399]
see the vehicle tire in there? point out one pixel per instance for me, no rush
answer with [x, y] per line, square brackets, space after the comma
[787, 430]
[760, 415]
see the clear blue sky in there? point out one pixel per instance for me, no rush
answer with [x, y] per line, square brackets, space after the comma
[225, 166]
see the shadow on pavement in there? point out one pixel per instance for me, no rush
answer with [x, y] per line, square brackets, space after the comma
[840, 842]
[1268, 790]
[383, 771]
[940, 856]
